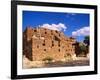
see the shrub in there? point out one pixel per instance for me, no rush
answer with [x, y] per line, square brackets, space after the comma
[48, 59]
[68, 56]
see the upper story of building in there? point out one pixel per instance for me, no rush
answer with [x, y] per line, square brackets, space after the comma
[46, 34]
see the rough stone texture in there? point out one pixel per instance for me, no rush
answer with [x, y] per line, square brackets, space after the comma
[41, 43]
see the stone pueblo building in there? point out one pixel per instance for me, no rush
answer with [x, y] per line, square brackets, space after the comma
[41, 43]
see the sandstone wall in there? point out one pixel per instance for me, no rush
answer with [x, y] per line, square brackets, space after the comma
[43, 43]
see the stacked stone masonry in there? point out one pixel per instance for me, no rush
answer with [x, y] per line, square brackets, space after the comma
[40, 43]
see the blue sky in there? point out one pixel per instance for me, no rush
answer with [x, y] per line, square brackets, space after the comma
[75, 24]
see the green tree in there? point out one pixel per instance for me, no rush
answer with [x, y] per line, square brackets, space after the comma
[87, 40]
[82, 49]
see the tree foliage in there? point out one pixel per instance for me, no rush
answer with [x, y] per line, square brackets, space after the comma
[82, 47]
[87, 40]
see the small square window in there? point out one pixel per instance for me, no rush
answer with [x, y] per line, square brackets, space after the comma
[44, 49]
[59, 50]
[37, 46]
[52, 44]
[45, 32]
[59, 45]
[43, 44]
[35, 30]
[56, 31]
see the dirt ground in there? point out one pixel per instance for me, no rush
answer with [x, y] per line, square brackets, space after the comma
[79, 61]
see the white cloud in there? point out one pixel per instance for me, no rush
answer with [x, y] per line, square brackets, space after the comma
[82, 32]
[58, 27]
